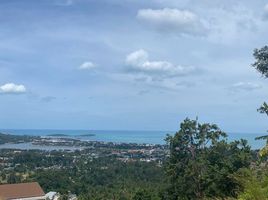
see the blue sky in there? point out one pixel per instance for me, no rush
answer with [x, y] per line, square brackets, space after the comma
[131, 64]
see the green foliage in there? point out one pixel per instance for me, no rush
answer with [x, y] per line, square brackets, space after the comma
[264, 151]
[13, 178]
[103, 178]
[261, 65]
[254, 185]
[261, 60]
[264, 108]
[45, 179]
[142, 195]
[201, 162]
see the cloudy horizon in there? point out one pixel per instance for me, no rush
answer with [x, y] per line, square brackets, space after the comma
[131, 65]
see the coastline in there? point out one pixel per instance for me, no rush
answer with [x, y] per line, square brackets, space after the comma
[117, 137]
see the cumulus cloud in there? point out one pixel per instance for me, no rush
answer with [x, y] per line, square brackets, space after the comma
[173, 20]
[246, 86]
[138, 61]
[11, 88]
[219, 24]
[86, 66]
[160, 74]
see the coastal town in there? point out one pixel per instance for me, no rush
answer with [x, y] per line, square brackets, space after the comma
[30, 165]
[126, 152]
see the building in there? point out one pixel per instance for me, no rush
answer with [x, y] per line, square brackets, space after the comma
[22, 191]
[52, 196]
[72, 197]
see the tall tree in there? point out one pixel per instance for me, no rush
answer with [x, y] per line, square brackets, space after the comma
[201, 162]
[261, 65]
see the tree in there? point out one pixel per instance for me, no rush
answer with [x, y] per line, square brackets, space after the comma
[142, 195]
[254, 184]
[201, 162]
[3, 176]
[13, 178]
[261, 65]
[261, 60]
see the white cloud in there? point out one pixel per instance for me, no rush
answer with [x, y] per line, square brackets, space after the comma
[159, 74]
[86, 66]
[139, 61]
[173, 20]
[247, 86]
[11, 88]
[219, 24]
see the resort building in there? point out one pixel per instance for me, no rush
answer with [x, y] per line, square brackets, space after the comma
[22, 191]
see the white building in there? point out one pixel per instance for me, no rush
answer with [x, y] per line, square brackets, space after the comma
[52, 196]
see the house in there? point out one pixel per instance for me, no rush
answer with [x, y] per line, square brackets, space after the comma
[22, 191]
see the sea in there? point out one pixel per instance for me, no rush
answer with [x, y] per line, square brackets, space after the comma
[117, 136]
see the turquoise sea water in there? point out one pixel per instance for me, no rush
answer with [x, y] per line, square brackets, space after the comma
[150, 137]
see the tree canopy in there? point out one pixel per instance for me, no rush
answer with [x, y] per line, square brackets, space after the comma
[261, 60]
[202, 162]
[261, 65]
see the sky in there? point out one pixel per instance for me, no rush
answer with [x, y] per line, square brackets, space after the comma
[131, 64]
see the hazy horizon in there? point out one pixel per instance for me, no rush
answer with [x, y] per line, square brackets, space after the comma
[120, 130]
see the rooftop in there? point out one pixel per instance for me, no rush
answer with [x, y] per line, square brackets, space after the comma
[20, 191]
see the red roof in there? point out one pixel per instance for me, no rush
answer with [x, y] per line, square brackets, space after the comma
[21, 190]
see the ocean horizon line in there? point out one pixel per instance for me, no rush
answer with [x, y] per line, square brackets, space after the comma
[121, 130]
